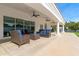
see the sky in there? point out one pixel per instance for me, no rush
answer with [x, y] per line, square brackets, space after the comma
[69, 11]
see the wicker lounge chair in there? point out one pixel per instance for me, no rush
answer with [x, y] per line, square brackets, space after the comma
[45, 33]
[18, 38]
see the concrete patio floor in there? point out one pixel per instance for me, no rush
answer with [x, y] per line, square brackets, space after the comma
[66, 44]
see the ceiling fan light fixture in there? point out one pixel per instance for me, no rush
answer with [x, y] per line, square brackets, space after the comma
[35, 14]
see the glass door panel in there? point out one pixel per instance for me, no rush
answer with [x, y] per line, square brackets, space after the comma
[9, 25]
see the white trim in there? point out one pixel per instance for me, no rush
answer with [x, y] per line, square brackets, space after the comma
[47, 5]
[59, 12]
[58, 28]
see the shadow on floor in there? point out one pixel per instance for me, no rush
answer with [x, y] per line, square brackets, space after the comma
[4, 40]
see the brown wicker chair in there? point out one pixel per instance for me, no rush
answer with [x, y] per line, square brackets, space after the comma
[15, 37]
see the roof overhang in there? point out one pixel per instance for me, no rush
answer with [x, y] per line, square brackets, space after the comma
[45, 9]
[48, 9]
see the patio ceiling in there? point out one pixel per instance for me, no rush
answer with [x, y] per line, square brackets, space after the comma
[19, 6]
[43, 10]
[25, 7]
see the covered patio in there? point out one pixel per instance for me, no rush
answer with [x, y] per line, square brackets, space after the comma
[32, 17]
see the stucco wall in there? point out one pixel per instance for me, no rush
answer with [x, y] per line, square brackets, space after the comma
[7, 11]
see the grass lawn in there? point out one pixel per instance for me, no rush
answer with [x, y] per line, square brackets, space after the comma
[77, 33]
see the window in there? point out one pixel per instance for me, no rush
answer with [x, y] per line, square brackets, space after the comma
[29, 26]
[32, 29]
[45, 26]
[41, 26]
[11, 23]
[19, 24]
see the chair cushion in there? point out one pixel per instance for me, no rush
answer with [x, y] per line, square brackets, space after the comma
[26, 32]
[20, 34]
[45, 32]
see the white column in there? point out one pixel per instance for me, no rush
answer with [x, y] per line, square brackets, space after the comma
[58, 28]
[63, 29]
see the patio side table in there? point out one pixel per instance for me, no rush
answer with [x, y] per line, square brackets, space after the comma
[35, 36]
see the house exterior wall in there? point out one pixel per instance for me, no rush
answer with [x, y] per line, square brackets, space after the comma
[42, 21]
[11, 12]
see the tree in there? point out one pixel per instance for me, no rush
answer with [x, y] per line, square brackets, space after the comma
[72, 26]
